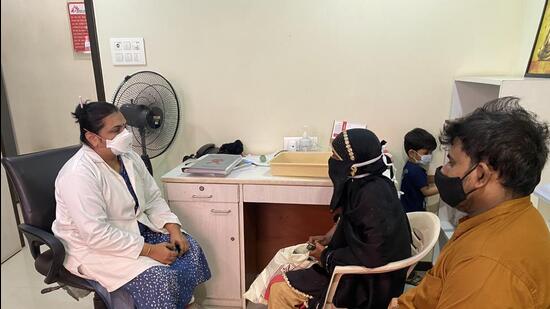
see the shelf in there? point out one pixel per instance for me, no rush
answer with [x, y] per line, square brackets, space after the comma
[543, 192]
[488, 80]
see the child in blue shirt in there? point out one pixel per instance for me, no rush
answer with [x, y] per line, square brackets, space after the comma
[415, 182]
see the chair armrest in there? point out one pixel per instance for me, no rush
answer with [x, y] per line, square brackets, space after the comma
[38, 237]
[357, 270]
[393, 266]
[339, 272]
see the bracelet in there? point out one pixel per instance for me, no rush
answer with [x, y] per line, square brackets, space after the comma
[148, 250]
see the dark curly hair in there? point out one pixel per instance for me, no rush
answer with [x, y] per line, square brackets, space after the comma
[507, 137]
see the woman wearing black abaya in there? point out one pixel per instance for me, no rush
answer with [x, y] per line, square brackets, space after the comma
[372, 230]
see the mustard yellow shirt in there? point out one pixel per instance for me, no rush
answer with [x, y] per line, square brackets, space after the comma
[498, 259]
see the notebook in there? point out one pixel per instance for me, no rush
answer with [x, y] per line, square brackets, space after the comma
[219, 164]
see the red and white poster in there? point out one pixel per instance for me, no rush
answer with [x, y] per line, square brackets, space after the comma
[79, 28]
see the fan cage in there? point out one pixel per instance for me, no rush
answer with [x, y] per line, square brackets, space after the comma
[151, 89]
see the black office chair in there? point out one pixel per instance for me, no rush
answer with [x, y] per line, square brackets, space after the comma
[33, 177]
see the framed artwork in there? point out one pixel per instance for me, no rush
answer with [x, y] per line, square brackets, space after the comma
[539, 62]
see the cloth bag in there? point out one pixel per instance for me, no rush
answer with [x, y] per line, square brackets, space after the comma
[286, 259]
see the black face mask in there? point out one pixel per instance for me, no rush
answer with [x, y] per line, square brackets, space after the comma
[450, 188]
[338, 171]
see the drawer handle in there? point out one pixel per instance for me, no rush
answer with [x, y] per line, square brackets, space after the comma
[202, 196]
[214, 211]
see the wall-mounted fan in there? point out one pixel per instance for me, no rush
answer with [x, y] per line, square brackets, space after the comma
[151, 108]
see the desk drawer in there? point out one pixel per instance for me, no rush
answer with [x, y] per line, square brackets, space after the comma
[196, 192]
[305, 195]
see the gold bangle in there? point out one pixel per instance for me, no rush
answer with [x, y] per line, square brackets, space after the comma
[148, 250]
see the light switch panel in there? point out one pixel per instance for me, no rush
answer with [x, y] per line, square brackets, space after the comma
[128, 51]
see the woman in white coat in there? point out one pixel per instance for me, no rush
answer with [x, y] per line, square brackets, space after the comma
[115, 226]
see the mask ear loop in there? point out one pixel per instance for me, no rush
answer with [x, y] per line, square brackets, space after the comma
[392, 167]
[355, 166]
[95, 134]
[386, 154]
[392, 172]
[468, 173]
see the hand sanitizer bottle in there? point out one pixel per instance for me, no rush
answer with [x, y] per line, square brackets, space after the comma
[305, 142]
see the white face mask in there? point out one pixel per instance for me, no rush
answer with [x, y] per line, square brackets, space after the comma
[121, 144]
[425, 159]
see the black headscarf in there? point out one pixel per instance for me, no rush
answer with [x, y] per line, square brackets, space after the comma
[372, 229]
[353, 146]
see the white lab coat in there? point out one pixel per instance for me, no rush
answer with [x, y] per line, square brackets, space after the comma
[95, 218]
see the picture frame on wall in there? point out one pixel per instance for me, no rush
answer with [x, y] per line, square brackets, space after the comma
[539, 61]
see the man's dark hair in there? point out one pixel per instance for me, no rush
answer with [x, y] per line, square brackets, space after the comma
[505, 136]
[417, 139]
[90, 117]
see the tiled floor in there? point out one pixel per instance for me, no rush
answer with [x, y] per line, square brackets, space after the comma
[21, 286]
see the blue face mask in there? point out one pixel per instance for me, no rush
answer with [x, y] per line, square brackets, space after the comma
[425, 159]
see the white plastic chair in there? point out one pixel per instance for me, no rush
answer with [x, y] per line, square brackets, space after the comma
[425, 229]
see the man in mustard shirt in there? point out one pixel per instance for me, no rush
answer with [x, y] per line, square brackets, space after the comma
[499, 254]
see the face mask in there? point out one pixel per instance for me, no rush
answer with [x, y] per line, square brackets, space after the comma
[424, 159]
[450, 188]
[338, 171]
[121, 144]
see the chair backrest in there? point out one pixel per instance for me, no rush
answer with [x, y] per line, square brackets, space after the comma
[33, 177]
[425, 228]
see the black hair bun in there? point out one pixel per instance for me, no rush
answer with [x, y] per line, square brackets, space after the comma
[79, 112]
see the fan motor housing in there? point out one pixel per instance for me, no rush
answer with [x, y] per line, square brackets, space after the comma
[141, 116]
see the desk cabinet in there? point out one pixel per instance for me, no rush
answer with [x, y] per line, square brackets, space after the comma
[215, 225]
[242, 219]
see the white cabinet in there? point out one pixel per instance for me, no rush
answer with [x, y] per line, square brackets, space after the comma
[215, 225]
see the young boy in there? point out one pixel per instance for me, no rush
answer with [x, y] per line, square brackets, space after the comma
[415, 182]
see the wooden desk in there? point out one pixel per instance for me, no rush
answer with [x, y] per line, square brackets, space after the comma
[241, 220]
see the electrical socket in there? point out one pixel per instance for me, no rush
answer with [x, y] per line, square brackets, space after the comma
[291, 143]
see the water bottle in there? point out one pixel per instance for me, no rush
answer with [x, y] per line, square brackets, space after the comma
[306, 143]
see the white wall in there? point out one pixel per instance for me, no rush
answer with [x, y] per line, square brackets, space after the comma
[535, 96]
[9, 234]
[42, 74]
[259, 70]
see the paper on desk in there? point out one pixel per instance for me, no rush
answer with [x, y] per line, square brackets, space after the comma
[255, 159]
